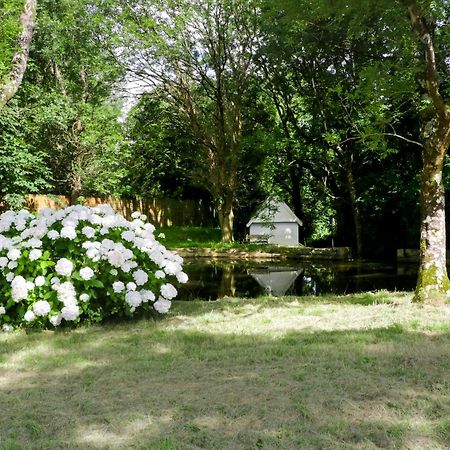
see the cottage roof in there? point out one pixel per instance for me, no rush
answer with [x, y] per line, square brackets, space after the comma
[274, 211]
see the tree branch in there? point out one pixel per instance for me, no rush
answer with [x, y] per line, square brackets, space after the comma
[432, 77]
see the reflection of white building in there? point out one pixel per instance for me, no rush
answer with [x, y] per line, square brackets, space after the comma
[277, 222]
[275, 280]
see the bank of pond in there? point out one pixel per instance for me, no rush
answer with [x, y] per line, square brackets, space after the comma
[211, 280]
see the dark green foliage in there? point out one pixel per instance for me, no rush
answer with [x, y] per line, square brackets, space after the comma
[22, 167]
[160, 157]
[10, 11]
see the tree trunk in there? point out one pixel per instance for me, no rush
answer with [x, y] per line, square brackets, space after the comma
[226, 220]
[76, 189]
[433, 283]
[10, 85]
[355, 211]
[296, 195]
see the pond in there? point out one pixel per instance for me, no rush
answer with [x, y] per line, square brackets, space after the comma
[214, 280]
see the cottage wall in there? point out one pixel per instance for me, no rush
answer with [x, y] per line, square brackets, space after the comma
[282, 233]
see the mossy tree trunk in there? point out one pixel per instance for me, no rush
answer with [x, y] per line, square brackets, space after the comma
[432, 283]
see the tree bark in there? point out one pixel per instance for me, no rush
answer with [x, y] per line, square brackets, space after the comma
[9, 87]
[355, 211]
[433, 283]
[226, 219]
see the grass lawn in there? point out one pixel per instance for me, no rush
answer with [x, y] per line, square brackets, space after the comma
[203, 237]
[358, 372]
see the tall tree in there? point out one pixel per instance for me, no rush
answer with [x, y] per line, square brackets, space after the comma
[200, 52]
[433, 280]
[314, 64]
[11, 82]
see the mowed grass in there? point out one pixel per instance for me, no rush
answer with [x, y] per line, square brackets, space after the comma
[207, 238]
[357, 372]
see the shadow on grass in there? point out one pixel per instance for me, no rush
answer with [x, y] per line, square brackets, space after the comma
[143, 386]
[236, 305]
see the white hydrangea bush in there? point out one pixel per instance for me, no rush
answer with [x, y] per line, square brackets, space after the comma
[81, 263]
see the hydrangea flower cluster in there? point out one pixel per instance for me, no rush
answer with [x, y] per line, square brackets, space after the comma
[81, 263]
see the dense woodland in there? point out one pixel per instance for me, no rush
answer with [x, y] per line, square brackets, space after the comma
[333, 106]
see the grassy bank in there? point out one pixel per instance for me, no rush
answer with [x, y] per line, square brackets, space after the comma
[202, 237]
[357, 372]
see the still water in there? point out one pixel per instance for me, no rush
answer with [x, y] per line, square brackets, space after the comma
[213, 280]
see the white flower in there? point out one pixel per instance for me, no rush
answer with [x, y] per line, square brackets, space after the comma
[128, 235]
[41, 308]
[162, 305]
[171, 268]
[135, 215]
[14, 254]
[182, 277]
[84, 297]
[160, 274]
[55, 280]
[9, 277]
[70, 312]
[133, 298]
[161, 235]
[35, 243]
[35, 254]
[131, 286]
[89, 232]
[66, 293]
[64, 267]
[116, 258]
[2, 310]
[86, 273]
[126, 267]
[29, 316]
[118, 286]
[53, 234]
[30, 285]
[113, 272]
[168, 291]
[93, 253]
[140, 277]
[39, 232]
[21, 225]
[108, 244]
[39, 281]
[56, 320]
[143, 217]
[149, 227]
[19, 289]
[7, 328]
[68, 232]
[3, 261]
[147, 296]
[12, 265]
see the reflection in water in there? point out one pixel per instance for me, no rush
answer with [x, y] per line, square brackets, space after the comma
[228, 282]
[212, 280]
[275, 280]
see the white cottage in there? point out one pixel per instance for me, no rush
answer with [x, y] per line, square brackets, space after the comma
[275, 223]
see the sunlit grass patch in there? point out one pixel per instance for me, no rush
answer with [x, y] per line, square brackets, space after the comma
[332, 372]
